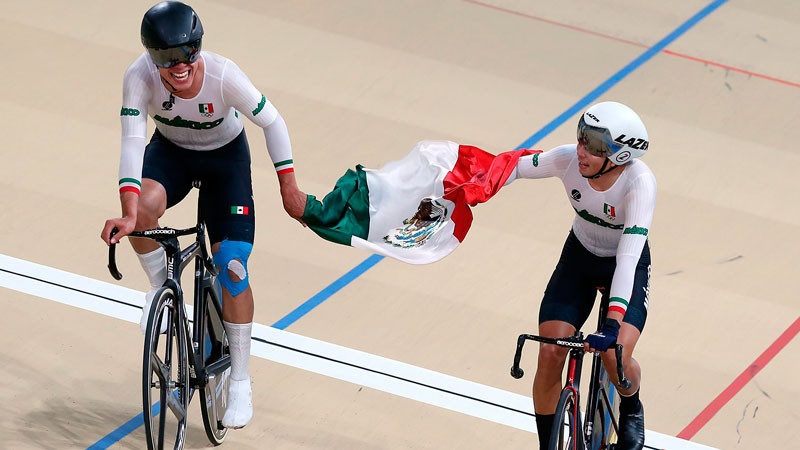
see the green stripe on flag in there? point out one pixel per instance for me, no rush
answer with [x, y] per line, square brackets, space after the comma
[130, 180]
[283, 163]
[344, 212]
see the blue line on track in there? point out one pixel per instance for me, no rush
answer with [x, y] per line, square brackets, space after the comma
[126, 429]
[622, 73]
[365, 265]
[324, 294]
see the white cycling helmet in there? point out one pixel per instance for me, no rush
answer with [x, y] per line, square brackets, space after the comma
[613, 130]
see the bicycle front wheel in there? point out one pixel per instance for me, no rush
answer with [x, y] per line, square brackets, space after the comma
[566, 433]
[165, 375]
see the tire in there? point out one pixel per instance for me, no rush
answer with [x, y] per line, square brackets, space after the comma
[165, 375]
[566, 430]
[600, 435]
[215, 395]
[605, 432]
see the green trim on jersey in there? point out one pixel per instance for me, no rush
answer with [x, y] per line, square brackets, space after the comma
[260, 105]
[183, 123]
[130, 180]
[635, 230]
[596, 220]
[283, 163]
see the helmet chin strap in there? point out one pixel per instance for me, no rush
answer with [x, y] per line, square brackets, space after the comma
[600, 172]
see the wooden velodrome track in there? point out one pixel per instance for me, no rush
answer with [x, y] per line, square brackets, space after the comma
[360, 81]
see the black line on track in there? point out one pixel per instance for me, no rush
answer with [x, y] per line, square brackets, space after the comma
[264, 341]
[72, 289]
[345, 363]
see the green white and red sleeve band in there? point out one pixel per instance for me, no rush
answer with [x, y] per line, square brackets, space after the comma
[133, 118]
[130, 164]
[279, 146]
[639, 205]
[617, 304]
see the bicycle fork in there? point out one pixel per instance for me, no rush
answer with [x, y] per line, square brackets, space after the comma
[573, 383]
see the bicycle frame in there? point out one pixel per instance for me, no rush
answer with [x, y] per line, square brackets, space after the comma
[177, 260]
[599, 382]
[205, 349]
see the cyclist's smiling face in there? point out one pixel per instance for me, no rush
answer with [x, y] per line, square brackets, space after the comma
[589, 164]
[181, 76]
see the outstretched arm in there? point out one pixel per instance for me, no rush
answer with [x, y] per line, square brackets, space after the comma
[552, 163]
[280, 150]
[239, 92]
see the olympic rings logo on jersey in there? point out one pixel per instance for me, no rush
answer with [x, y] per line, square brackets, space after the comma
[206, 109]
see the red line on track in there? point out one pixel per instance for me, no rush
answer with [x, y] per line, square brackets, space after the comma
[702, 419]
[625, 41]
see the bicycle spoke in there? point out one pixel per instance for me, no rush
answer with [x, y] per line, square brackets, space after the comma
[161, 370]
[174, 403]
[162, 419]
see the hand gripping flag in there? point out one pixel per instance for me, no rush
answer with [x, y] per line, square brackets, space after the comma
[417, 209]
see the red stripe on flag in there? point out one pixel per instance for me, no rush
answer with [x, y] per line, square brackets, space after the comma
[475, 178]
[290, 169]
[129, 189]
[245, 210]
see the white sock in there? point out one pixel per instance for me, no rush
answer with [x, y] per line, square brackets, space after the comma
[239, 342]
[155, 266]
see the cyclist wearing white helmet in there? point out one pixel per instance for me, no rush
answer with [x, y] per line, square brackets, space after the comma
[196, 99]
[613, 194]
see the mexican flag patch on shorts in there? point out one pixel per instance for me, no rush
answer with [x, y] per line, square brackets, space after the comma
[240, 210]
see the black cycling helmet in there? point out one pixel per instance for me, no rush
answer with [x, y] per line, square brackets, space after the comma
[172, 34]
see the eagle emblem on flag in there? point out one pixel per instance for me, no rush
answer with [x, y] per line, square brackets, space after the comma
[417, 230]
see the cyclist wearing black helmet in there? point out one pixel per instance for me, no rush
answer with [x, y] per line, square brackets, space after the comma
[196, 99]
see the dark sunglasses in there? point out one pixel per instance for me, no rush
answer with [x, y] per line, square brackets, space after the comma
[170, 57]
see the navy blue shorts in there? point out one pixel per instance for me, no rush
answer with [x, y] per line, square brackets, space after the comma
[579, 274]
[226, 189]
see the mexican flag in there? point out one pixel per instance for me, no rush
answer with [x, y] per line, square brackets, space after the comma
[417, 209]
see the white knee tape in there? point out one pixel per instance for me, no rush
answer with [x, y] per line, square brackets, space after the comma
[237, 268]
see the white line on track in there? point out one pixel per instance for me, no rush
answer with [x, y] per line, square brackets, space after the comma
[304, 353]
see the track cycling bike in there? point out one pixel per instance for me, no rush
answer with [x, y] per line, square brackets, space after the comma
[192, 353]
[598, 428]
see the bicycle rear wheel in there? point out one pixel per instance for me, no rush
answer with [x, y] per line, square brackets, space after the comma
[566, 433]
[215, 349]
[605, 414]
[600, 438]
[165, 375]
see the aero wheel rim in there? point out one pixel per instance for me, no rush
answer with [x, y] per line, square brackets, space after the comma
[567, 439]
